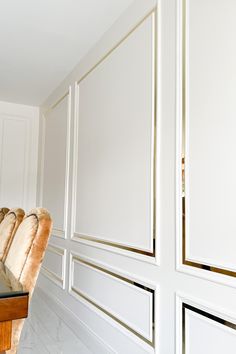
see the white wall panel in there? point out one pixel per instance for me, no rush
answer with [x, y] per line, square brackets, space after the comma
[55, 177]
[54, 264]
[113, 187]
[204, 335]
[129, 303]
[210, 132]
[210, 16]
[14, 160]
[18, 155]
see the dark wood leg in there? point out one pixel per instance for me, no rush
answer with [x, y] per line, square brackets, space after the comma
[5, 336]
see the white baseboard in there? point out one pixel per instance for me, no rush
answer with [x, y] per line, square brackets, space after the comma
[94, 343]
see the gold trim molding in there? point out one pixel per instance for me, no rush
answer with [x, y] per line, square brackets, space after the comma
[73, 289]
[54, 105]
[151, 13]
[115, 245]
[76, 236]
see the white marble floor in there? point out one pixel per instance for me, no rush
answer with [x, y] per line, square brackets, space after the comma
[44, 332]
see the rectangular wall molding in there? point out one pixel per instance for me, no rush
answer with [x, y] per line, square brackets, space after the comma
[216, 334]
[18, 155]
[128, 303]
[54, 265]
[135, 192]
[19, 127]
[205, 199]
[200, 328]
[56, 162]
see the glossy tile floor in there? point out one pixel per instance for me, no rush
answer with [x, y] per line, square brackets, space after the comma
[44, 332]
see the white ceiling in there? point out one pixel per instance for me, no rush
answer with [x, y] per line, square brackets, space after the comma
[41, 42]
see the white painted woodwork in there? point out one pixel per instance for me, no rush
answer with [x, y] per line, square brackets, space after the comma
[18, 155]
[210, 126]
[54, 264]
[55, 171]
[204, 335]
[99, 150]
[15, 135]
[134, 307]
[114, 156]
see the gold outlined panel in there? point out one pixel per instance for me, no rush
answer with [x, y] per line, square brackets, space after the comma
[183, 161]
[202, 313]
[58, 231]
[77, 236]
[115, 245]
[50, 274]
[73, 290]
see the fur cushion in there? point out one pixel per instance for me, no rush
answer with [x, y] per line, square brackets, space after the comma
[3, 212]
[8, 228]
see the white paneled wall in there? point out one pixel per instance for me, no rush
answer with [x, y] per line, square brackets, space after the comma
[97, 179]
[136, 144]
[18, 155]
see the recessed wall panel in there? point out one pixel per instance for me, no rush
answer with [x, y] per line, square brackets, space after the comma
[115, 144]
[14, 160]
[204, 334]
[128, 303]
[54, 264]
[55, 164]
[209, 144]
